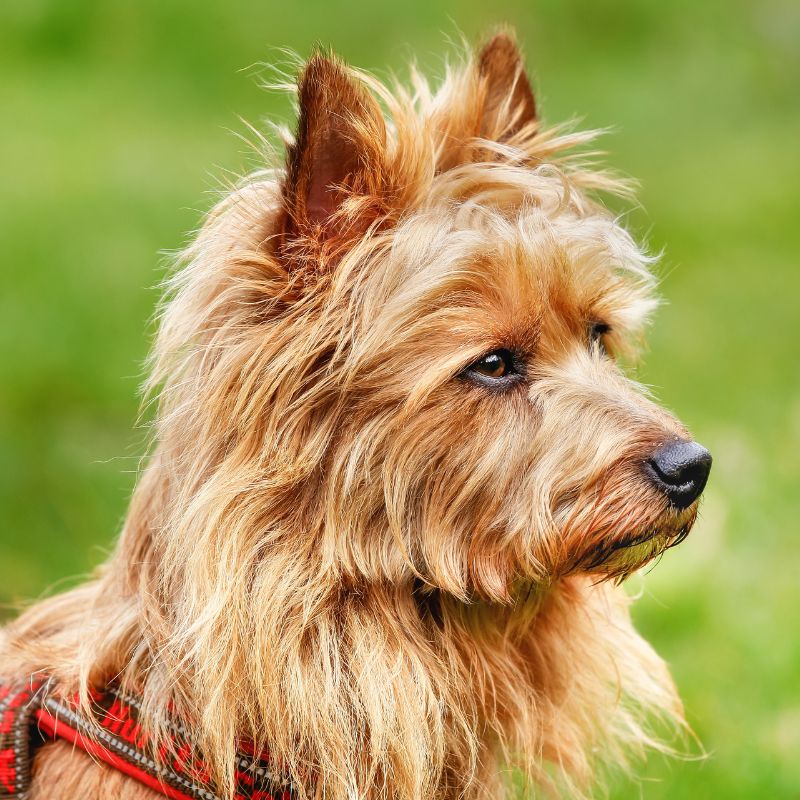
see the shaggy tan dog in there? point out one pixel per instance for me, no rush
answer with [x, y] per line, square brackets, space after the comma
[398, 472]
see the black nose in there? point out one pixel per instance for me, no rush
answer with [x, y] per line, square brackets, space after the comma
[680, 469]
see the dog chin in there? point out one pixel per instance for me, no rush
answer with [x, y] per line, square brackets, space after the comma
[617, 557]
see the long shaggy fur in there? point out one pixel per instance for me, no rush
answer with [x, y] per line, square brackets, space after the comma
[401, 582]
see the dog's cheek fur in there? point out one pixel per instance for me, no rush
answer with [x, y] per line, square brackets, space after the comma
[432, 485]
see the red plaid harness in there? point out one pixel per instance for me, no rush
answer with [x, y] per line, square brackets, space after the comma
[30, 715]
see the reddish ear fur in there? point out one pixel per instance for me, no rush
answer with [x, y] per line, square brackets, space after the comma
[337, 154]
[509, 104]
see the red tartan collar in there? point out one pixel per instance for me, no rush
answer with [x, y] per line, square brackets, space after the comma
[30, 713]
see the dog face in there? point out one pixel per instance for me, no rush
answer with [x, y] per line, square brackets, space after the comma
[428, 386]
[487, 397]
[509, 440]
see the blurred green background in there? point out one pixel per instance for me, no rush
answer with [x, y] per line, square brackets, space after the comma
[116, 130]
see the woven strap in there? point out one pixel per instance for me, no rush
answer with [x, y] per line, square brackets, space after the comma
[17, 707]
[30, 713]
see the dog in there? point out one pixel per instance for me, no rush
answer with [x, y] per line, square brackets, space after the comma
[398, 471]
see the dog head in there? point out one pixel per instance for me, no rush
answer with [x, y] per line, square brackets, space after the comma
[399, 357]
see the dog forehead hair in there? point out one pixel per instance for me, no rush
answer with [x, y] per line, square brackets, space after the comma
[517, 261]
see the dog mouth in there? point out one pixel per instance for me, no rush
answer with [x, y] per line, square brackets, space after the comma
[615, 556]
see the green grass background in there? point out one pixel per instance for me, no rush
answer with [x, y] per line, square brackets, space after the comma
[115, 129]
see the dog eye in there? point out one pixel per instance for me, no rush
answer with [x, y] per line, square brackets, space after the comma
[495, 365]
[597, 330]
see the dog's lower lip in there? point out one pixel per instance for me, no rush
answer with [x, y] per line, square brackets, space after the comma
[603, 553]
[633, 539]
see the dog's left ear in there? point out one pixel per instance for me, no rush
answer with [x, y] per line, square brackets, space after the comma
[509, 103]
[335, 164]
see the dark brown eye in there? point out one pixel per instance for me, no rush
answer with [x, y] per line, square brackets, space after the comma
[495, 365]
[597, 330]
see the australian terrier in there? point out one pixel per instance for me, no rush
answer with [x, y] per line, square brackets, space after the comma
[398, 471]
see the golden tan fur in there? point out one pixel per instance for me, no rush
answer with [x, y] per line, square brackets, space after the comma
[397, 579]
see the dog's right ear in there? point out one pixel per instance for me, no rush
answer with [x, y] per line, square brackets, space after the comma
[509, 105]
[333, 174]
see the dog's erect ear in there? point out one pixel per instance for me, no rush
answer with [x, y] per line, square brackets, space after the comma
[334, 166]
[509, 105]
